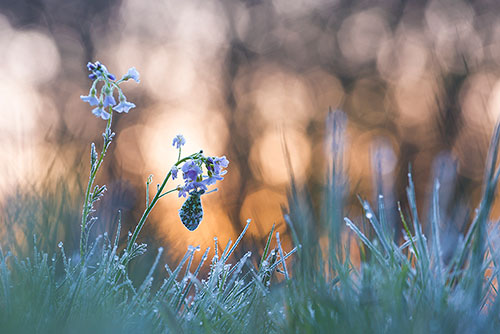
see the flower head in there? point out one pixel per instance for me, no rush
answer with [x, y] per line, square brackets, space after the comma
[182, 191]
[99, 71]
[221, 161]
[109, 100]
[191, 171]
[191, 187]
[174, 171]
[100, 112]
[123, 106]
[91, 67]
[91, 99]
[131, 74]
[212, 179]
[215, 165]
[178, 141]
[196, 182]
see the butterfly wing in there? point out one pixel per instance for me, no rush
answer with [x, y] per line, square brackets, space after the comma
[191, 212]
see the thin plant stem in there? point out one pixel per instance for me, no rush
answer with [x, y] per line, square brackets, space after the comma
[86, 204]
[155, 199]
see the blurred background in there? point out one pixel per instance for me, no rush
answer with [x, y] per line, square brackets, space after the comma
[419, 82]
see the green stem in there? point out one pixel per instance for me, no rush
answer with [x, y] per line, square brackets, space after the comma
[168, 192]
[86, 204]
[153, 203]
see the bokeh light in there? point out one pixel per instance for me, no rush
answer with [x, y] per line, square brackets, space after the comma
[246, 79]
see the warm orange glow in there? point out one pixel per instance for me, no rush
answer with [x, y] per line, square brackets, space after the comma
[241, 80]
[264, 207]
[269, 160]
[202, 128]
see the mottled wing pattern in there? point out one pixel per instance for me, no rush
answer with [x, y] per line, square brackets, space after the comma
[191, 212]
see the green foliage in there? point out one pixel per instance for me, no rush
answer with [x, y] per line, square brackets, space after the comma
[398, 288]
[403, 286]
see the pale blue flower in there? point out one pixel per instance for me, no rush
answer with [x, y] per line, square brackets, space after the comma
[91, 99]
[109, 100]
[221, 161]
[124, 106]
[212, 179]
[182, 191]
[174, 171]
[194, 180]
[192, 186]
[191, 171]
[100, 112]
[215, 165]
[178, 141]
[131, 74]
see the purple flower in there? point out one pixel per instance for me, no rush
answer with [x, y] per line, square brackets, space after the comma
[210, 164]
[190, 187]
[193, 186]
[131, 74]
[191, 171]
[99, 71]
[222, 161]
[174, 171]
[178, 141]
[182, 191]
[196, 185]
[91, 67]
[109, 100]
[91, 99]
[212, 180]
[100, 112]
[124, 106]
[215, 165]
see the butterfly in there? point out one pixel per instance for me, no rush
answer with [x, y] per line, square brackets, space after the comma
[191, 212]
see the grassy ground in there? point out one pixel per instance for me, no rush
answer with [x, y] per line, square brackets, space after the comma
[404, 286]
